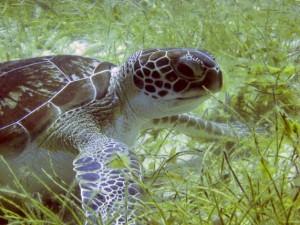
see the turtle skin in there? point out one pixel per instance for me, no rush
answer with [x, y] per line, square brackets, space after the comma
[80, 115]
[44, 96]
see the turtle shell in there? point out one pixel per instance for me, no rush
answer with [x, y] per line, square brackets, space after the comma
[34, 92]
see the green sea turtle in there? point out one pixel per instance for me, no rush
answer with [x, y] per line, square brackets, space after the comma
[76, 115]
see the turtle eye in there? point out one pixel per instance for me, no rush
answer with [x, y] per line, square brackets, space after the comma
[185, 70]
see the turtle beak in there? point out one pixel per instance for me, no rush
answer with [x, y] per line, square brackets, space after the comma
[219, 80]
[213, 80]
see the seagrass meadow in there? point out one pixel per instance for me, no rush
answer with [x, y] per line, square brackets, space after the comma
[188, 181]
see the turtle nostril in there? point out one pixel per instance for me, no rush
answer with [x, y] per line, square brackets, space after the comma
[185, 70]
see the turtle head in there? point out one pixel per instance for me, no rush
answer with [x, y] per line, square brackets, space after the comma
[172, 80]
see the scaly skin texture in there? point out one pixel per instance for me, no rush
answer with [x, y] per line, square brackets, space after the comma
[96, 118]
[103, 186]
[197, 127]
[158, 91]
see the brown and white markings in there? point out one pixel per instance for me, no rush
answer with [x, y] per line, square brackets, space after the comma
[81, 114]
[34, 92]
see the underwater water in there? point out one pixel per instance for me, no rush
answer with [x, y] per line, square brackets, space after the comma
[187, 180]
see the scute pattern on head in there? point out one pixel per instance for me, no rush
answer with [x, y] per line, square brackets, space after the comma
[158, 72]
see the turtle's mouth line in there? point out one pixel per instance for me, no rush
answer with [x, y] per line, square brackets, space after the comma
[187, 98]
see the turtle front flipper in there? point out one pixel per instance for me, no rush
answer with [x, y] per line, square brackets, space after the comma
[197, 127]
[108, 174]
